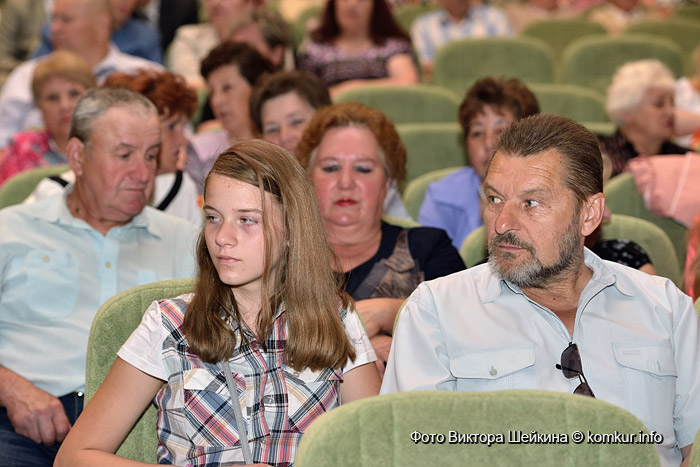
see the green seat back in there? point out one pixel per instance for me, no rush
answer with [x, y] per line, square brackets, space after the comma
[690, 11]
[406, 14]
[400, 221]
[575, 102]
[647, 235]
[683, 32]
[650, 237]
[420, 103]
[17, 188]
[460, 63]
[387, 431]
[431, 146]
[559, 33]
[695, 453]
[299, 28]
[414, 192]
[623, 197]
[474, 249]
[600, 128]
[113, 324]
[591, 61]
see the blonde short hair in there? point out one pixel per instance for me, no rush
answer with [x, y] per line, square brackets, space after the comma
[62, 64]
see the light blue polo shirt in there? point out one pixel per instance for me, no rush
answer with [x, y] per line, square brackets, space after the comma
[56, 271]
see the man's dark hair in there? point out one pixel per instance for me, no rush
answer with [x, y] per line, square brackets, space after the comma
[577, 146]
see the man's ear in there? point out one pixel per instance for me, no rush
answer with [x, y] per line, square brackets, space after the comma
[75, 152]
[592, 213]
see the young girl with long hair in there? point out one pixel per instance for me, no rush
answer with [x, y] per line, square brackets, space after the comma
[266, 330]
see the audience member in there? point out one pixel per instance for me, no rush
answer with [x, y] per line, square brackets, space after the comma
[616, 15]
[281, 108]
[79, 26]
[59, 80]
[131, 35]
[544, 298]
[267, 322]
[358, 43]
[193, 42]
[19, 32]
[490, 105]
[63, 257]
[268, 33]
[165, 16]
[173, 191]
[523, 13]
[457, 19]
[283, 103]
[353, 153]
[231, 69]
[640, 103]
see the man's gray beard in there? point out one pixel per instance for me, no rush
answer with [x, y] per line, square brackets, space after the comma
[531, 273]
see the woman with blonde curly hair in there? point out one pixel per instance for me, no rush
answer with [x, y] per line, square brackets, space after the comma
[353, 154]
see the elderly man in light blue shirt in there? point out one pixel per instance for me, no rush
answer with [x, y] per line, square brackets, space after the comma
[61, 258]
[546, 313]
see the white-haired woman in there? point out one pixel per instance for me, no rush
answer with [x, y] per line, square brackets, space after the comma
[640, 103]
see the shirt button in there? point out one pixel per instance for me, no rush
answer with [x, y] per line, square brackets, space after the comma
[268, 400]
[493, 371]
[108, 264]
[45, 258]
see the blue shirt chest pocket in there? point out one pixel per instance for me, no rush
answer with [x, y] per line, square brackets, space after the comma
[44, 285]
[495, 369]
[649, 374]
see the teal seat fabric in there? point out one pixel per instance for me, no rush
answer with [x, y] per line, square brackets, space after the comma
[591, 61]
[559, 33]
[623, 197]
[647, 235]
[431, 146]
[397, 429]
[575, 102]
[683, 32]
[113, 324]
[17, 188]
[460, 63]
[414, 192]
[420, 103]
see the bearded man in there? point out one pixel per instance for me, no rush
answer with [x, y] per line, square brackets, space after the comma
[545, 312]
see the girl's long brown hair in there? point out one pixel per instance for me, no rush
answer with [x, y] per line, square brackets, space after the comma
[304, 281]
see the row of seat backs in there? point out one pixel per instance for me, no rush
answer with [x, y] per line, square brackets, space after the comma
[425, 103]
[588, 61]
[118, 317]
